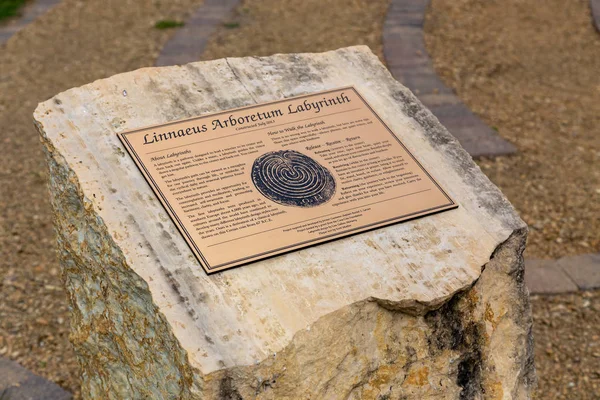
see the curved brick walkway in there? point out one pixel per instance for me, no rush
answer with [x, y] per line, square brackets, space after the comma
[409, 62]
[595, 4]
[30, 12]
[189, 42]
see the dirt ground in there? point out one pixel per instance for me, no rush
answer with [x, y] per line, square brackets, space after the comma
[538, 88]
[75, 43]
[531, 69]
[265, 27]
[567, 346]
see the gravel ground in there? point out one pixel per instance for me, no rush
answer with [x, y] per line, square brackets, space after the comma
[531, 70]
[567, 345]
[265, 27]
[538, 92]
[75, 43]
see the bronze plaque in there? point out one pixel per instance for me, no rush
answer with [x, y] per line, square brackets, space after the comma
[250, 183]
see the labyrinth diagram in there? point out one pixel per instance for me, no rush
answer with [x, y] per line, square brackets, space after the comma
[291, 178]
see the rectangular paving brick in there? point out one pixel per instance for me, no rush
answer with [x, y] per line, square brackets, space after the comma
[409, 62]
[190, 41]
[546, 277]
[584, 270]
[424, 83]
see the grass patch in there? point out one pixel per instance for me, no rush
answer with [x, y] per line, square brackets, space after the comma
[167, 24]
[10, 8]
[231, 25]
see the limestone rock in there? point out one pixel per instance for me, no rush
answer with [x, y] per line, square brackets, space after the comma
[434, 308]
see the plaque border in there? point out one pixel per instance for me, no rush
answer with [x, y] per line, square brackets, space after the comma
[297, 246]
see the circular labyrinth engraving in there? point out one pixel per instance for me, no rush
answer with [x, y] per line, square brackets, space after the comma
[293, 179]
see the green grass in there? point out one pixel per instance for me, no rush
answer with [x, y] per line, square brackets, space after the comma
[10, 8]
[229, 25]
[166, 24]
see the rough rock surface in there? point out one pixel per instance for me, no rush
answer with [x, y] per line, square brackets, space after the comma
[431, 308]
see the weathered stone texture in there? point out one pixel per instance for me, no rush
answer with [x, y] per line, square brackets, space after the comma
[431, 308]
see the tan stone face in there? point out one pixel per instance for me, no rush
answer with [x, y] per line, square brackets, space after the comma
[437, 300]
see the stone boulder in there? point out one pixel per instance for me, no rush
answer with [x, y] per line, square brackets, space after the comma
[433, 308]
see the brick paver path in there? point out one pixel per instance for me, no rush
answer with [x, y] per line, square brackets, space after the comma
[409, 62]
[567, 274]
[189, 42]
